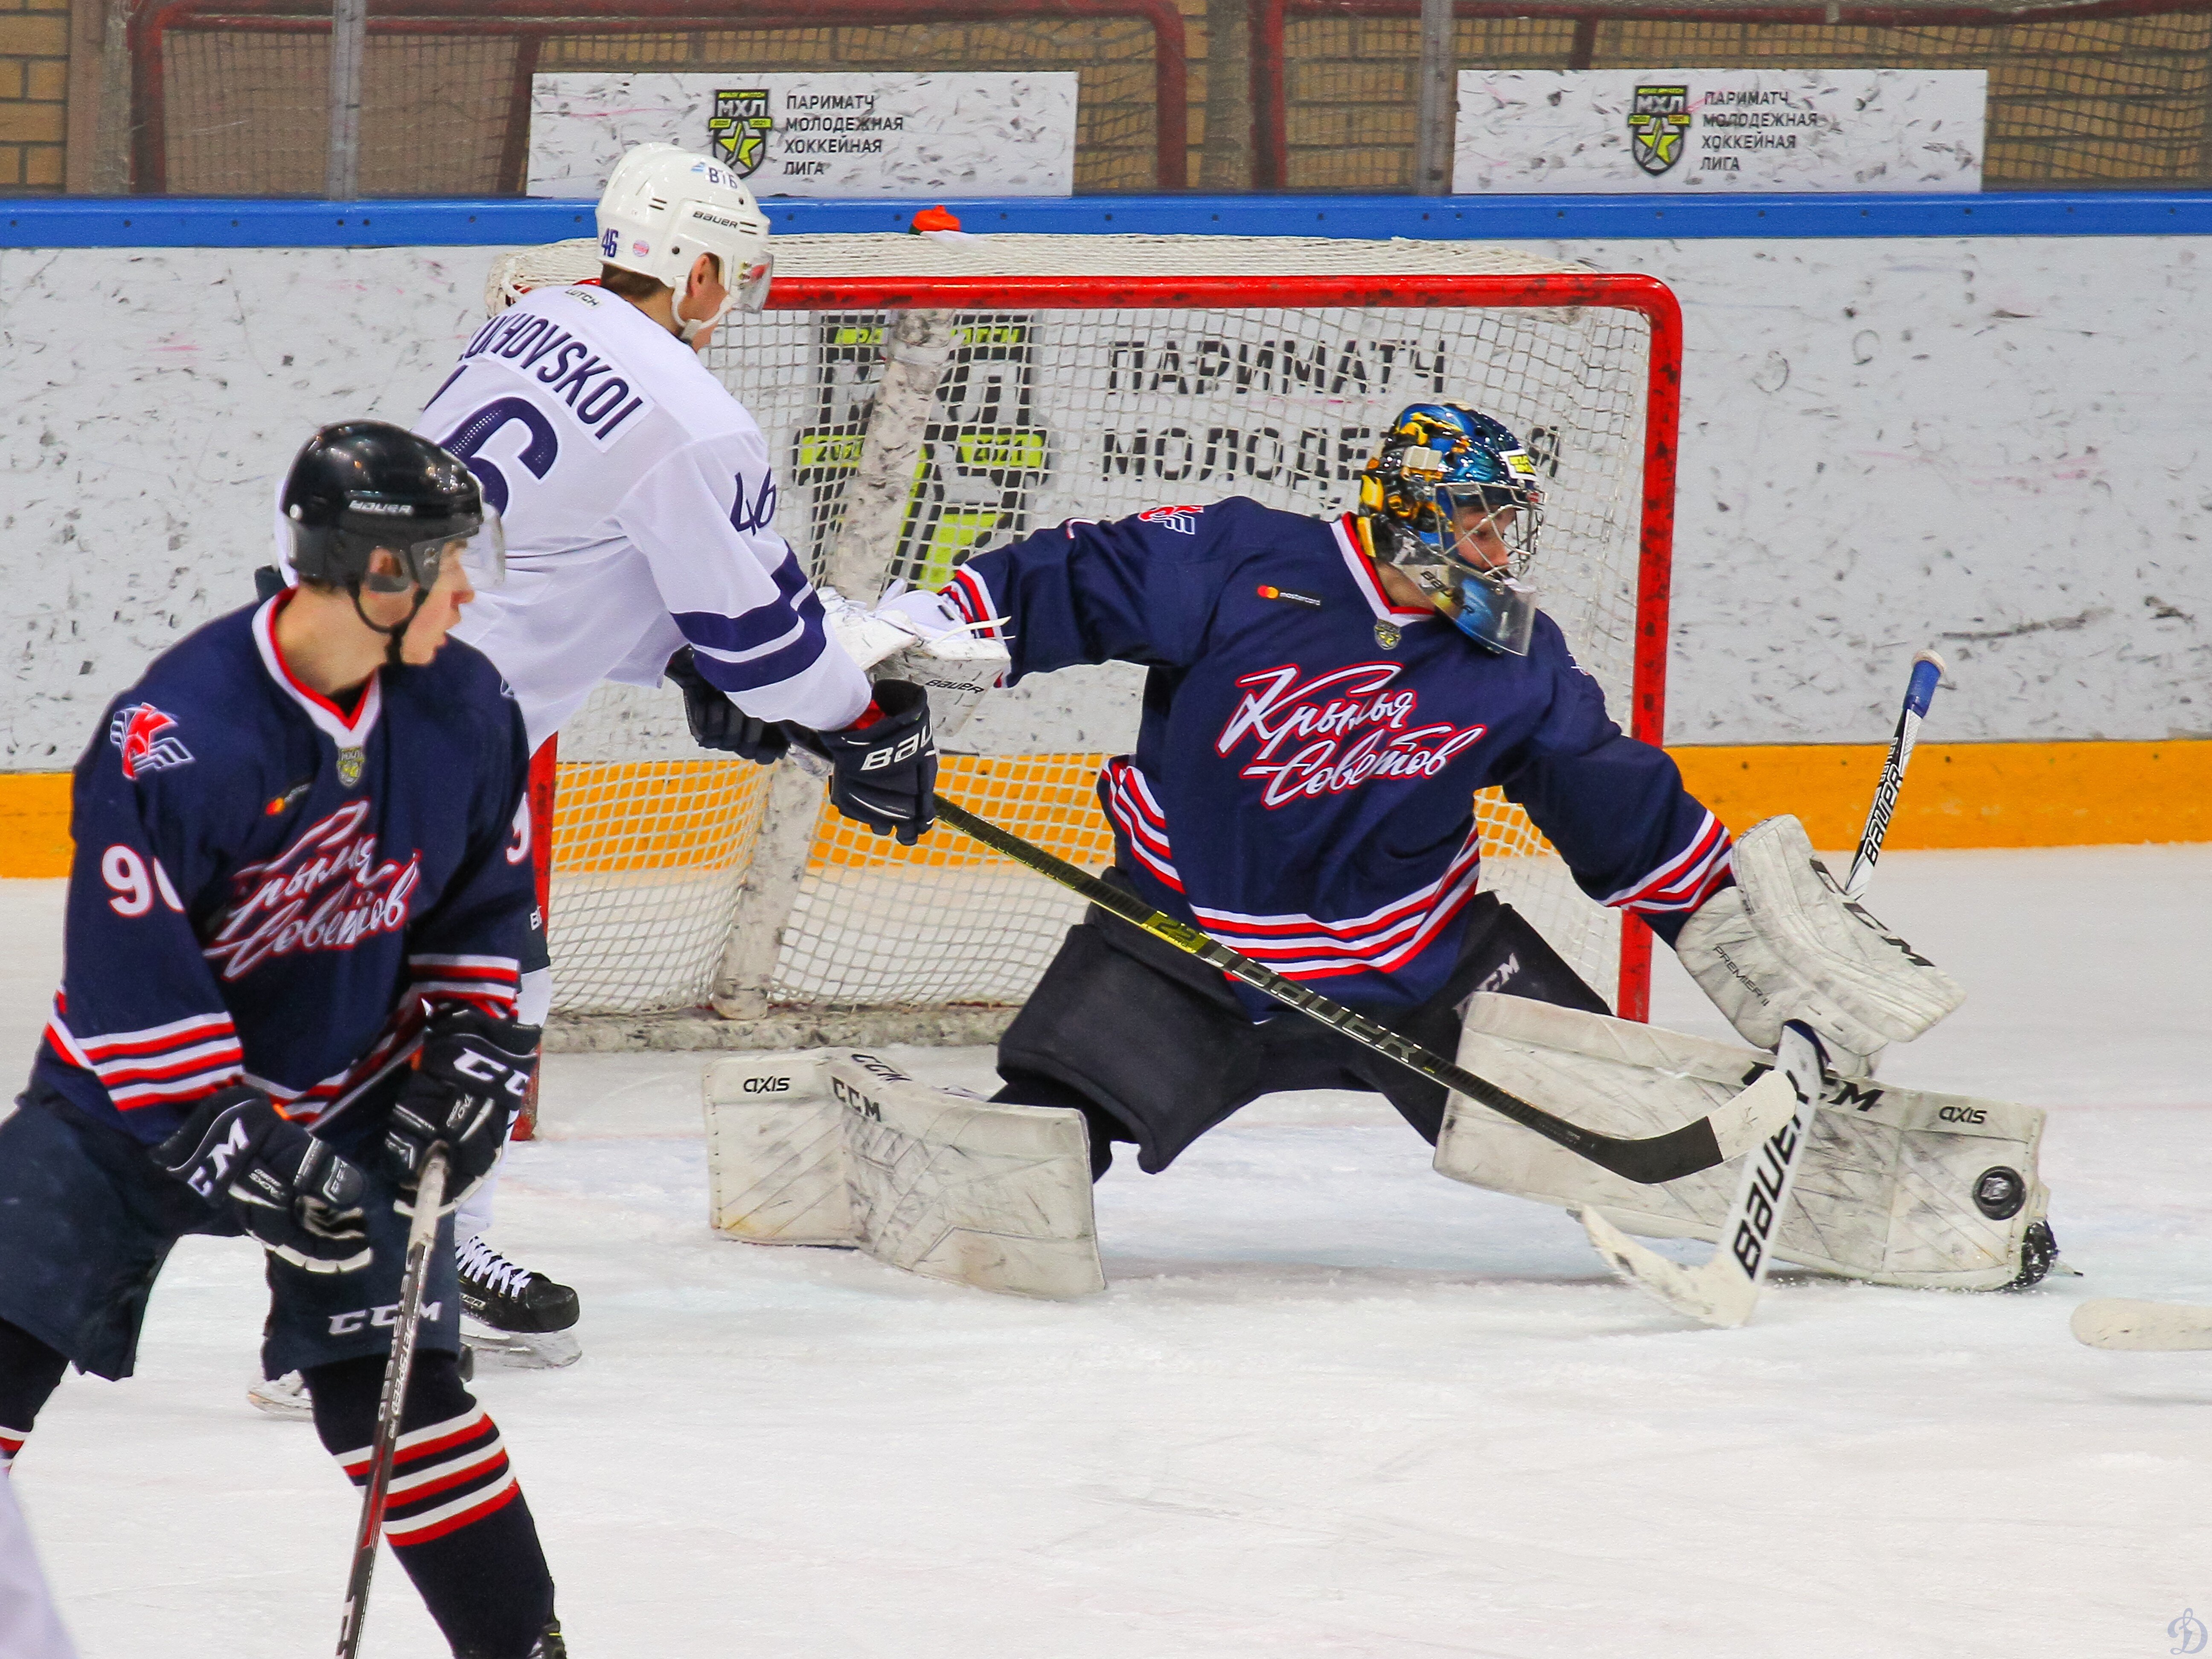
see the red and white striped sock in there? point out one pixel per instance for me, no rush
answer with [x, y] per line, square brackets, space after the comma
[455, 1516]
[445, 1475]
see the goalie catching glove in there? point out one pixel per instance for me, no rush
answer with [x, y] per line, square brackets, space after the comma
[291, 1192]
[718, 724]
[469, 1080]
[885, 764]
[1783, 943]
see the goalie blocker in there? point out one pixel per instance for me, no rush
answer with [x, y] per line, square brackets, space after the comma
[1897, 1186]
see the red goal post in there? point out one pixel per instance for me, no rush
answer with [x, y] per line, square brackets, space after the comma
[1083, 340]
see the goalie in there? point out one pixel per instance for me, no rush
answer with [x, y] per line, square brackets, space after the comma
[1325, 697]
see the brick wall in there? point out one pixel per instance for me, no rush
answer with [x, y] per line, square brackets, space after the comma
[35, 45]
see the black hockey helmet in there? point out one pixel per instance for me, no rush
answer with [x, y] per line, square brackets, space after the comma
[362, 485]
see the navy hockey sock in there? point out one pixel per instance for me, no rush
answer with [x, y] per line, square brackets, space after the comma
[29, 1372]
[456, 1519]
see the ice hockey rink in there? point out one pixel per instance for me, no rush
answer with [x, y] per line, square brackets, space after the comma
[1331, 1404]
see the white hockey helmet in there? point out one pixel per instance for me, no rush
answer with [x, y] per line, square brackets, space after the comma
[664, 207]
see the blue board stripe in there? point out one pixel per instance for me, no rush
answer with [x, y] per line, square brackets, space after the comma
[205, 221]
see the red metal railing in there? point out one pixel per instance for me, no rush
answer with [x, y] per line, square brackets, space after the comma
[1270, 153]
[531, 22]
[1646, 297]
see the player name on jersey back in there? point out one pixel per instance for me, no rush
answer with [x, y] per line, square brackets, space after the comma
[579, 377]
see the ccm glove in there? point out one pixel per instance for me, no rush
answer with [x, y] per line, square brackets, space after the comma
[468, 1083]
[885, 764]
[718, 723]
[289, 1190]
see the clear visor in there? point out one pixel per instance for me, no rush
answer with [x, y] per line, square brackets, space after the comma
[481, 556]
[1487, 531]
[750, 291]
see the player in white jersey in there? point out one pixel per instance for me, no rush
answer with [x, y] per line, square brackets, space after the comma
[638, 500]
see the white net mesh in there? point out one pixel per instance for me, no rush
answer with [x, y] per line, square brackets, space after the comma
[1043, 414]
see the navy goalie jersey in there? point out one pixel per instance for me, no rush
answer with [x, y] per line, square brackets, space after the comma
[273, 888]
[1304, 783]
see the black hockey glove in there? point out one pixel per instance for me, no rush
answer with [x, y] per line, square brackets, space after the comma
[718, 723]
[886, 764]
[294, 1194]
[467, 1085]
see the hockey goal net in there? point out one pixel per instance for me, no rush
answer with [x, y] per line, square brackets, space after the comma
[1035, 378]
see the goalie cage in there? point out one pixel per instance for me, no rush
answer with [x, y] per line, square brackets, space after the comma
[955, 391]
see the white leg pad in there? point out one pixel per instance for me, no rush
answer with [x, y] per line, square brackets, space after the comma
[1899, 1186]
[840, 1148]
[776, 1152]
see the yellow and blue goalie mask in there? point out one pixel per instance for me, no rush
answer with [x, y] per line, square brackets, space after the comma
[1455, 498]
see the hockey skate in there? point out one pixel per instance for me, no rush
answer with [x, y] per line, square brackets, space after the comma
[513, 1316]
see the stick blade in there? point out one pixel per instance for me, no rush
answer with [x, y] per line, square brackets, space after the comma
[2144, 1327]
[1716, 1294]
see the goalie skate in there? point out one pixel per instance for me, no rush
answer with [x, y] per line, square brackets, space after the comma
[513, 1316]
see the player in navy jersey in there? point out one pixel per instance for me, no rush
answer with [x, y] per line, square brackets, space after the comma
[301, 897]
[1325, 697]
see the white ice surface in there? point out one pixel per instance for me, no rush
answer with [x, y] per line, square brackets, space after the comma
[1331, 1404]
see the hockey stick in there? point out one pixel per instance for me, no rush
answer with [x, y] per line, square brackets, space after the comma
[2145, 1327]
[1724, 1291]
[1735, 1127]
[1927, 671]
[422, 1238]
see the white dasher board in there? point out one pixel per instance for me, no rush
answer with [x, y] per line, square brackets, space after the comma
[1571, 132]
[828, 134]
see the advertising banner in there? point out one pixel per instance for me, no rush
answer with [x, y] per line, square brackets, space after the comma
[816, 133]
[1572, 131]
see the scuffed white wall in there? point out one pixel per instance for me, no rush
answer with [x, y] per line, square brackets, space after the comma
[1995, 445]
[2000, 446]
[153, 398]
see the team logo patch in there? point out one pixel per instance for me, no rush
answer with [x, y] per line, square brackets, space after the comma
[147, 740]
[349, 762]
[1387, 634]
[1183, 521]
[738, 130]
[1658, 121]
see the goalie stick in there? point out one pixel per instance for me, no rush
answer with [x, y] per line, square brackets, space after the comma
[1740, 1124]
[2145, 1327]
[406, 1325]
[1723, 1291]
[1927, 671]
